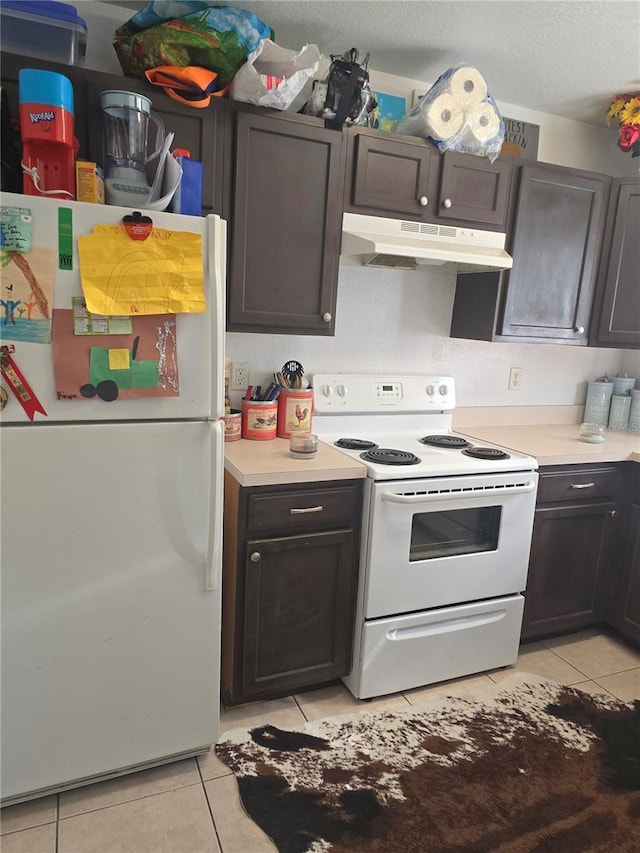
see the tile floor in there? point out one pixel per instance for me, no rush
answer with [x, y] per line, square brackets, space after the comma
[192, 806]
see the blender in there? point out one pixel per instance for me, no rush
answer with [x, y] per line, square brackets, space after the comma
[125, 122]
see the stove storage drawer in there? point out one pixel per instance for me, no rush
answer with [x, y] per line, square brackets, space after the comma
[404, 652]
[581, 483]
[274, 509]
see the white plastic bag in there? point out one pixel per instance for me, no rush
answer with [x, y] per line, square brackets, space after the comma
[458, 114]
[276, 77]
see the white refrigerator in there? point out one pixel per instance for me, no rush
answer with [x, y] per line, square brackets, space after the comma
[111, 523]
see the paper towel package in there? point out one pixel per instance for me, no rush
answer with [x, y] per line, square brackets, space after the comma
[458, 114]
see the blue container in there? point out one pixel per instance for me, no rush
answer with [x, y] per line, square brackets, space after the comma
[45, 29]
[188, 196]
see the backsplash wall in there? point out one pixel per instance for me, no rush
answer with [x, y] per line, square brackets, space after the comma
[398, 321]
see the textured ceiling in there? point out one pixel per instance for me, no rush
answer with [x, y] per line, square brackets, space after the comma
[564, 57]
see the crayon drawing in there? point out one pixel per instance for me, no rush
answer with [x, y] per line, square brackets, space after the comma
[26, 297]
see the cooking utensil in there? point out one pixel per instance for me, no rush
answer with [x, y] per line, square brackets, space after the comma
[293, 372]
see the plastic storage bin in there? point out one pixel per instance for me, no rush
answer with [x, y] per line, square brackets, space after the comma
[44, 29]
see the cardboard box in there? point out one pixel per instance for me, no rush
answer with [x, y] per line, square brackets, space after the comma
[89, 182]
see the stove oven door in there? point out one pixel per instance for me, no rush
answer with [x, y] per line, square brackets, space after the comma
[447, 541]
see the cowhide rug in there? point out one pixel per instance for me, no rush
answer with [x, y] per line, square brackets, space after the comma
[533, 767]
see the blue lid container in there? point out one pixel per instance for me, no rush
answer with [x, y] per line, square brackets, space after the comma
[43, 28]
[45, 87]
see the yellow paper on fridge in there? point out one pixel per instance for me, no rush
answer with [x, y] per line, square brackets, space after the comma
[162, 274]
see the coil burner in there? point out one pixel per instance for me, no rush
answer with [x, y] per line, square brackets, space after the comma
[388, 456]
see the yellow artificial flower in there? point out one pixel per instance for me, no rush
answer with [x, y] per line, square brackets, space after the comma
[630, 113]
[615, 108]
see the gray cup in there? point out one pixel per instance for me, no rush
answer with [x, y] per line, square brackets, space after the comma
[596, 409]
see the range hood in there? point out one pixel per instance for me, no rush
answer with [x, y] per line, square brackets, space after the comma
[398, 243]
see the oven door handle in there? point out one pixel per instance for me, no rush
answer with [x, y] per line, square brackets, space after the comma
[529, 486]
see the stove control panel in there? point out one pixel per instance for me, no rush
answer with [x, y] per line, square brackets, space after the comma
[353, 393]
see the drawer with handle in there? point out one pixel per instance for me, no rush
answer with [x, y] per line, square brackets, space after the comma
[578, 484]
[297, 509]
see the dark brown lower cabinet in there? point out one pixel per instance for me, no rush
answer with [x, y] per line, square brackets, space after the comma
[289, 586]
[573, 561]
[627, 610]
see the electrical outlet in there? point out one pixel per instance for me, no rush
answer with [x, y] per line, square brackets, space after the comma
[515, 378]
[239, 376]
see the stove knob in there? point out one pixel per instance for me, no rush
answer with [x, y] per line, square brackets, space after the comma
[327, 390]
[444, 390]
[430, 390]
[342, 390]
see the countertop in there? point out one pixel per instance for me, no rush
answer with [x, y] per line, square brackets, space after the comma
[559, 444]
[265, 463]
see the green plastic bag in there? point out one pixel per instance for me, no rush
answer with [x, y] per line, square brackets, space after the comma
[188, 32]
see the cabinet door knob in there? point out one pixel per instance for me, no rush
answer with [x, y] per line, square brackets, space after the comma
[447, 203]
[423, 201]
[256, 557]
[579, 330]
[612, 513]
[326, 317]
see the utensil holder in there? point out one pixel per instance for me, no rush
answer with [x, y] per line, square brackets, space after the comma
[259, 418]
[294, 412]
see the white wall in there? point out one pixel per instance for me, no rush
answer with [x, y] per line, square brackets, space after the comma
[397, 321]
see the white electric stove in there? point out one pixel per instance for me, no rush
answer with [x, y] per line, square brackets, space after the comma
[400, 427]
[446, 532]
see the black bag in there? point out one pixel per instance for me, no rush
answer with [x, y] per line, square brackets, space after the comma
[349, 99]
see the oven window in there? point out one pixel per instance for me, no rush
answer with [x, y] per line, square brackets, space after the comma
[458, 531]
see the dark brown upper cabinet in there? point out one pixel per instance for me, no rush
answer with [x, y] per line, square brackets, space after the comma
[285, 226]
[405, 176]
[616, 316]
[555, 242]
[474, 191]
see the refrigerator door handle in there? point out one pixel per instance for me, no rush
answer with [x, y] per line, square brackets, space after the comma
[213, 565]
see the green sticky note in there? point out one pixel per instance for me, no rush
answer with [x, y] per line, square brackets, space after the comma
[15, 229]
[65, 238]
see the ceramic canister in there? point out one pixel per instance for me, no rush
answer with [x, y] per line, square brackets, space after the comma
[259, 419]
[634, 411]
[233, 425]
[596, 409]
[623, 384]
[619, 412]
[294, 411]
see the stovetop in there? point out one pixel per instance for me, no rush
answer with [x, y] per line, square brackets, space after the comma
[395, 415]
[431, 461]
